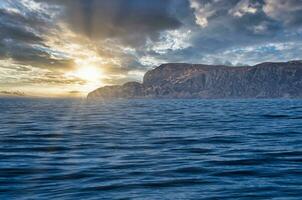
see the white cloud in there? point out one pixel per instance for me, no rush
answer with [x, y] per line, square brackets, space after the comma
[243, 7]
[202, 12]
[151, 61]
[136, 75]
[171, 40]
[254, 54]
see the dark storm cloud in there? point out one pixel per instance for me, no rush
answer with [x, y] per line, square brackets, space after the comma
[129, 21]
[215, 28]
[222, 26]
[15, 27]
[285, 11]
[22, 31]
[12, 29]
[29, 54]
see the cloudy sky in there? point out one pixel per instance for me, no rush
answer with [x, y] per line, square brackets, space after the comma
[70, 47]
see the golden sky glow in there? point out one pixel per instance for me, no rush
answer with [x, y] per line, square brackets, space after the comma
[90, 69]
[90, 74]
[66, 48]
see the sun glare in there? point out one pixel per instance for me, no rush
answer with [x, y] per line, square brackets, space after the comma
[89, 74]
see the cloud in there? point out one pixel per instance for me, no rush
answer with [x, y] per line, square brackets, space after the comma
[129, 21]
[244, 7]
[24, 25]
[13, 73]
[74, 92]
[41, 41]
[170, 41]
[28, 54]
[202, 12]
[286, 11]
[12, 93]
[12, 28]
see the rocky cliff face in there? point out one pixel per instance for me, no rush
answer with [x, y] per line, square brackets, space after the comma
[175, 80]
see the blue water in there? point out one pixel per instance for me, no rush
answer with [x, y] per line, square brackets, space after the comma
[150, 149]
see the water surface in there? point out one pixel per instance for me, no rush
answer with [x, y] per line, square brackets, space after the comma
[150, 149]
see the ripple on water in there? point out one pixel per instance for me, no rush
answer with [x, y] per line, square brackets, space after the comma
[150, 149]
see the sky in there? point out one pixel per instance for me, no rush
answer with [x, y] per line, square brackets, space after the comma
[67, 48]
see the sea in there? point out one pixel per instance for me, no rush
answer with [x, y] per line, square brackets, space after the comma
[74, 149]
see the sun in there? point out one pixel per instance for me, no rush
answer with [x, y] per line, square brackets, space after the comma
[89, 76]
[89, 73]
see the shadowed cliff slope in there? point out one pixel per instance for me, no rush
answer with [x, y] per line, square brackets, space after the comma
[177, 80]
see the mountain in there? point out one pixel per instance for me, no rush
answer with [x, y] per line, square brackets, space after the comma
[178, 80]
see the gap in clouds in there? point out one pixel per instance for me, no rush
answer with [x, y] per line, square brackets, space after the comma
[47, 42]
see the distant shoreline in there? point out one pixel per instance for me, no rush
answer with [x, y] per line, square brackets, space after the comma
[189, 81]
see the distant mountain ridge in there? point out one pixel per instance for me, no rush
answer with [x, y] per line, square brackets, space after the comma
[181, 80]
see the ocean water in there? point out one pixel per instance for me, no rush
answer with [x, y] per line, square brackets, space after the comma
[150, 149]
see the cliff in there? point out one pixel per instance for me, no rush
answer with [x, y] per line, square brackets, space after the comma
[176, 80]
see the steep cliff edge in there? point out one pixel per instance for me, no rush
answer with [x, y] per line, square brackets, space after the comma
[177, 80]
